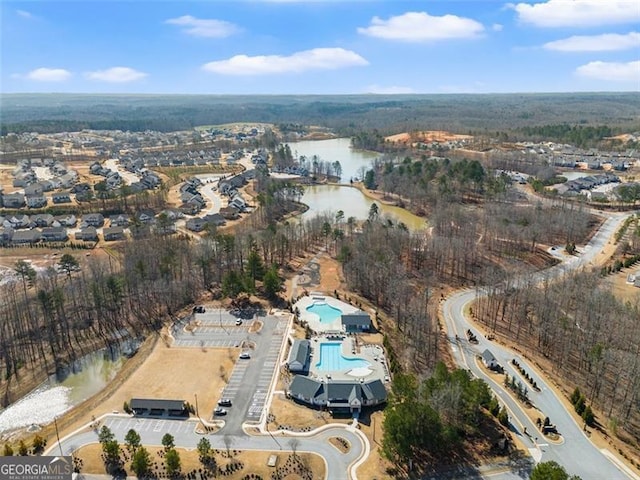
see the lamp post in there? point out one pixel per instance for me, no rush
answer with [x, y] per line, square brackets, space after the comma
[55, 422]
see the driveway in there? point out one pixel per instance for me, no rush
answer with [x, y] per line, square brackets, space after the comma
[577, 454]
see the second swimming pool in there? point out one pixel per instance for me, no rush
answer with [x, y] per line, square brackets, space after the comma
[331, 359]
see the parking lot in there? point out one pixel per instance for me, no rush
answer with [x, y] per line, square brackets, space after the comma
[217, 328]
[140, 425]
[249, 382]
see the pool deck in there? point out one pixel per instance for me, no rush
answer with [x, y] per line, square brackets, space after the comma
[313, 320]
[372, 354]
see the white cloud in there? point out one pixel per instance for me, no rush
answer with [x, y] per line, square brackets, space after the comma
[204, 27]
[497, 27]
[577, 13]
[392, 90]
[48, 74]
[315, 59]
[420, 26]
[116, 75]
[24, 14]
[612, 71]
[596, 43]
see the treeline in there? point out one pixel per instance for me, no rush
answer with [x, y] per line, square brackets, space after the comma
[48, 321]
[591, 338]
[347, 114]
[427, 420]
[578, 135]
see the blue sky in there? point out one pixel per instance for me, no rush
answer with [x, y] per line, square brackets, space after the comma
[320, 47]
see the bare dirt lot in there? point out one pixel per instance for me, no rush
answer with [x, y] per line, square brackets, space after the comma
[623, 290]
[427, 136]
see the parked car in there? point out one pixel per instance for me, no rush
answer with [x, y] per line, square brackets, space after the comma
[245, 356]
[224, 402]
[239, 321]
[199, 309]
[219, 411]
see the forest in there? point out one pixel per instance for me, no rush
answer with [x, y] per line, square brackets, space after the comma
[346, 114]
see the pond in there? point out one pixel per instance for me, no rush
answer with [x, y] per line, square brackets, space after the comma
[331, 198]
[53, 398]
[336, 149]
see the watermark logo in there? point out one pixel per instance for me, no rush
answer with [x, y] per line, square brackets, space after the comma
[36, 468]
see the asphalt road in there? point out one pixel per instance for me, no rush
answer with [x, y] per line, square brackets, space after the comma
[576, 452]
[183, 431]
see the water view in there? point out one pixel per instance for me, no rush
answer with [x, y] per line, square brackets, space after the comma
[54, 398]
[337, 149]
[331, 198]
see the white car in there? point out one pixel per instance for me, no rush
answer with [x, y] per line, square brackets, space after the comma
[239, 321]
[245, 356]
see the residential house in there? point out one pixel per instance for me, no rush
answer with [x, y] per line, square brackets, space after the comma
[189, 208]
[18, 221]
[238, 202]
[24, 179]
[150, 179]
[120, 220]
[88, 234]
[93, 219]
[196, 224]
[215, 219]
[68, 220]
[26, 236]
[113, 233]
[61, 198]
[230, 213]
[54, 234]
[5, 234]
[13, 200]
[68, 179]
[34, 189]
[36, 201]
[42, 220]
[146, 216]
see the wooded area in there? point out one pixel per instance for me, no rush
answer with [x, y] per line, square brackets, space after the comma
[345, 114]
[591, 339]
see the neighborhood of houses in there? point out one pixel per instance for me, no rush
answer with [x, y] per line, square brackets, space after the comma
[33, 177]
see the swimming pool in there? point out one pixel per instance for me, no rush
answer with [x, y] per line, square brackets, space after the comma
[326, 312]
[331, 359]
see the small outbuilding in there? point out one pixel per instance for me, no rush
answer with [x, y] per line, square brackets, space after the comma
[356, 322]
[158, 407]
[299, 356]
[489, 360]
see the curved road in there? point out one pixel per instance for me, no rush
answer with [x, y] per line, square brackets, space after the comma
[576, 453]
[151, 431]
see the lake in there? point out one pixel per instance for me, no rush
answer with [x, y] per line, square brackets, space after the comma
[336, 149]
[331, 198]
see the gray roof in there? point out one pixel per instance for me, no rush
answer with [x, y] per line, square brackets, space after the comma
[26, 236]
[488, 357]
[113, 231]
[307, 388]
[374, 390]
[358, 318]
[299, 354]
[337, 392]
[156, 404]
